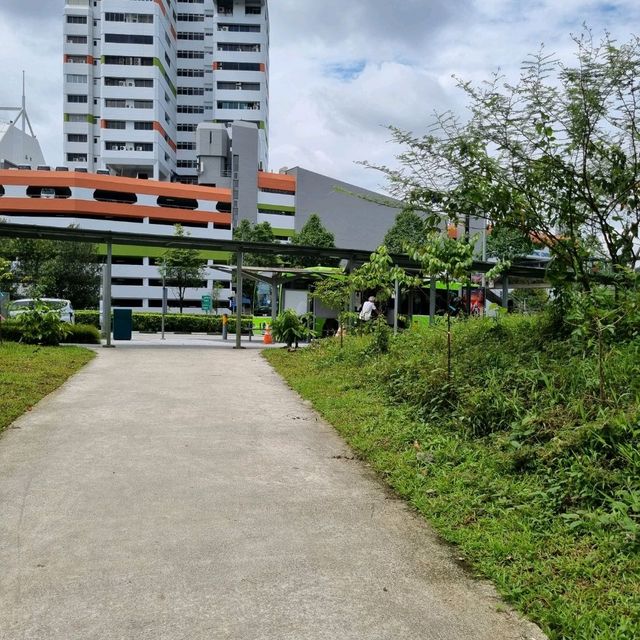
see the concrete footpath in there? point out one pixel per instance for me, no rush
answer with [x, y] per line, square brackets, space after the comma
[188, 494]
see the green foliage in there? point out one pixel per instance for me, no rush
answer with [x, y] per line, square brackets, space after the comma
[260, 232]
[67, 270]
[289, 328]
[380, 274]
[408, 229]
[313, 234]
[82, 334]
[152, 322]
[552, 156]
[506, 243]
[182, 268]
[42, 325]
[29, 373]
[515, 459]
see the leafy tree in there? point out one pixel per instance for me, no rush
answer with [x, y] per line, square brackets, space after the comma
[69, 270]
[408, 229]
[335, 293]
[260, 232]
[73, 273]
[554, 156]
[448, 258]
[182, 268]
[313, 234]
[506, 243]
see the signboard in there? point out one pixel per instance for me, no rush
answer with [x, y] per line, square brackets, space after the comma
[206, 303]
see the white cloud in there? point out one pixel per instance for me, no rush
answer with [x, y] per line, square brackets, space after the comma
[402, 53]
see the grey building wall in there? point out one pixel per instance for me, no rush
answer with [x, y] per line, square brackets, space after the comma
[244, 172]
[356, 223]
[212, 150]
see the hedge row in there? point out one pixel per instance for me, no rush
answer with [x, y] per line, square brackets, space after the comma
[152, 322]
[11, 331]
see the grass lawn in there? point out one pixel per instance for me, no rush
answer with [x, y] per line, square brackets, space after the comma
[28, 373]
[578, 581]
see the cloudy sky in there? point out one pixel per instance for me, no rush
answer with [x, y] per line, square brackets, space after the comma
[341, 70]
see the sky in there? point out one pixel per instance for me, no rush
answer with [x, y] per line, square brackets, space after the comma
[341, 71]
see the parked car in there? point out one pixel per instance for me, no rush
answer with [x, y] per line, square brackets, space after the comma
[63, 307]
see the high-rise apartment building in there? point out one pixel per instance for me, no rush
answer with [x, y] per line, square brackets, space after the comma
[140, 75]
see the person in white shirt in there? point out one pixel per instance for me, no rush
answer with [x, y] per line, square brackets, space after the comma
[368, 308]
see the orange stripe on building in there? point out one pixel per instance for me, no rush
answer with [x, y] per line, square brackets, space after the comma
[161, 5]
[111, 183]
[263, 66]
[159, 128]
[73, 207]
[279, 181]
[90, 59]
[173, 33]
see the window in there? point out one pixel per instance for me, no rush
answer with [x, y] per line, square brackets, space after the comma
[113, 103]
[76, 78]
[190, 17]
[225, 7]
[190, 91]
[115, 124]
[187, 146]
[76, 19]
[75, 117]
[129, 60]
[143, 146]
[238, 86]
[76, 39]
[128, 82]
[77, 98]
[237, 66]
[127, 38]
[76, 137]
[76, 157]
[225, 104]
[191, 73]
[238, 46]
[146, 18]
[190, 35]
[143, 126]
[77, 59]
[186, 127]
[187, 164]
[190, 108]
[191, 54]
[112, 145]
[252, 11]
[143, 104]
[239, 28]
[190, 1]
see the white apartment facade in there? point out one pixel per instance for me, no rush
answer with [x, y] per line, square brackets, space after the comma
[139, 75]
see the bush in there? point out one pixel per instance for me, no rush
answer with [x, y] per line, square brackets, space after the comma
[42, 325]
[178, 322]
[83, 334]
[289, 328]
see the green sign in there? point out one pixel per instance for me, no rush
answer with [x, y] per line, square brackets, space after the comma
[206, 303]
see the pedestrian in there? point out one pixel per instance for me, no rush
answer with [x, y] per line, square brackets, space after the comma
[368, 309]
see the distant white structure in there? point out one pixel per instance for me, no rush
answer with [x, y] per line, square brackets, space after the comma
[18, 147]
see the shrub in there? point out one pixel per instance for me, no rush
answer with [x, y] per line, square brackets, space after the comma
[289, 328]
[42, 325]
[82, 334]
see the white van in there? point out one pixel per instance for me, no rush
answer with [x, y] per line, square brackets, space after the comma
[63, 307]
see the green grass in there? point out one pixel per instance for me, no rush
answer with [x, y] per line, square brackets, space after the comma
[516, 461]
[28, 373]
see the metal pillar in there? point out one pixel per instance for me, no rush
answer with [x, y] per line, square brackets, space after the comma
[106, 296]
[395, 307]
[432, 300]
[274, 300]
[164, 305]
[239, 259]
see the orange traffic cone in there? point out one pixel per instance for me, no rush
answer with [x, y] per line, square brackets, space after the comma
[266, 338]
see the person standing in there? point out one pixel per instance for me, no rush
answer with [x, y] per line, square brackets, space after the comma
[368, 309]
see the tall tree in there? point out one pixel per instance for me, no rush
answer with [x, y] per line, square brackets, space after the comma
[408, 229]
[555, 156]
[313, 234]
[182, 268]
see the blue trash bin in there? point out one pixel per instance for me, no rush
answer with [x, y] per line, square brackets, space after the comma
[122, 324]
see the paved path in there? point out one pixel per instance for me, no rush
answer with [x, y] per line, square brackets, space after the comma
[188, 494]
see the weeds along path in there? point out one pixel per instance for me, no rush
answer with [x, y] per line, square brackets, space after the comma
[189, 493]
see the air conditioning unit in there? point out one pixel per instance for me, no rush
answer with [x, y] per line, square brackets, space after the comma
[131, 83]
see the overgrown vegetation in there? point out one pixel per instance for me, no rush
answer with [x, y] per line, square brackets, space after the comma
[28, 373]
[526, 457]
